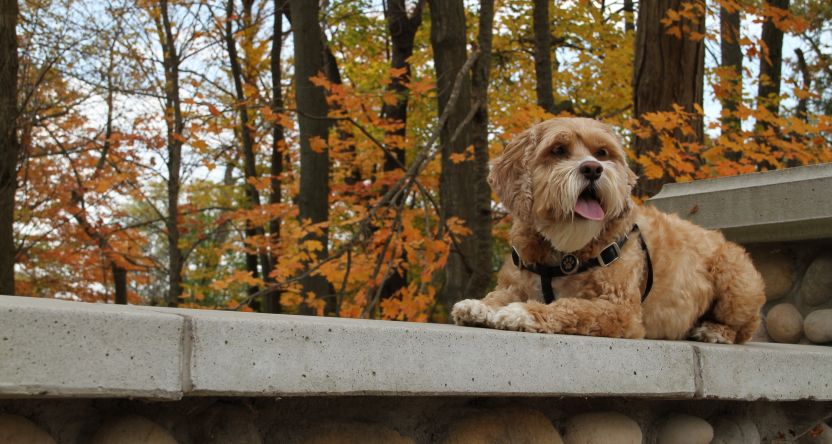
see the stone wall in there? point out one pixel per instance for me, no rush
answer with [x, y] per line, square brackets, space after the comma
[370, 420]
[798, 279]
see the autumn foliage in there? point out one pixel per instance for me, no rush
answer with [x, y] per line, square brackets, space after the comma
[97, 125]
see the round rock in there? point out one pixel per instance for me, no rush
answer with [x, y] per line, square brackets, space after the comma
[816, 288]
[15, 429]
[778, 272]
[602, 428]
[818, 326]
[509, 425]
[735, 430]
[784, 323]
[685, 429]
[132, 429]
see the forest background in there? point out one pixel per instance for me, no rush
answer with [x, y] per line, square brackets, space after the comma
[331, 158]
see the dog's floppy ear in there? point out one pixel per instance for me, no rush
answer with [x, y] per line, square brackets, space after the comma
[632, 178]
[509, 176]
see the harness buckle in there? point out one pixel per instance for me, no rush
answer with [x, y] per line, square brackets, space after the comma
[617, 250]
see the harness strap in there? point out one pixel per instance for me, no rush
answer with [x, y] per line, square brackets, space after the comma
[649, 284]
[546, 285]
[570, 265]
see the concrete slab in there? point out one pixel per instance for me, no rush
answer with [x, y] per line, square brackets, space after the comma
[51, 348]
[775, 372]
[244, 354]
[784, 205]
[60, 348]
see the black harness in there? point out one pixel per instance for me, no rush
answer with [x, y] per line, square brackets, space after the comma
[570, 264]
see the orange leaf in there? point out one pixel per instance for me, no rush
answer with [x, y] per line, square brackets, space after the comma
[317, 144]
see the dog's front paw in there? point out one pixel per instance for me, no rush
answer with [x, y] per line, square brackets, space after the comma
[712, 333]
[471, 312]
[516, 317]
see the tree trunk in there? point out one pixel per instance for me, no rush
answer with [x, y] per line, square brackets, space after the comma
[119, 284]
[543, 61]
[731, 58]
[802, 110]
[9, 145]
[457, 181]
[402, 28]
[480, 279]
[271, 301]
[247, 139]
[175, 127]
[543, 56]
[244, 134]
[667, 70]
[79, 212]
[768, 89]
[628, 16]
[333, 75]
[313, 197]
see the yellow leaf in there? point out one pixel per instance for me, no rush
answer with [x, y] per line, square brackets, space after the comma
[313, 245]
[239, 276]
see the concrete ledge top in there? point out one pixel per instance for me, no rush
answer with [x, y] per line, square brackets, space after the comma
[52, 348]
[784, 205]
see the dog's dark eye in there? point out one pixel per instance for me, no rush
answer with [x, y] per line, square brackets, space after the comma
[602, 153]
[558, 150]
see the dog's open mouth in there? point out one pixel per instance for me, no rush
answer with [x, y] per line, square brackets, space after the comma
[588, 206]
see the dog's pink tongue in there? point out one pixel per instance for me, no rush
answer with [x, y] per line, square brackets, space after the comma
[589, 209]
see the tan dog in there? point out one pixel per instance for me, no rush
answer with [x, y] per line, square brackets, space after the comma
[567, 184]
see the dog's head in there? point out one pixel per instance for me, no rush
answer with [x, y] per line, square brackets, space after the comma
[566, 177]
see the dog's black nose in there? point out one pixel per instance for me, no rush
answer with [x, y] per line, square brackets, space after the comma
[591, 170]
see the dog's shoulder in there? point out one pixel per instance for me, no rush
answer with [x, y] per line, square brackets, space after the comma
[669, 231]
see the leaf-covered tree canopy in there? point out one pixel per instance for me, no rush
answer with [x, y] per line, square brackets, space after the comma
[171, 153]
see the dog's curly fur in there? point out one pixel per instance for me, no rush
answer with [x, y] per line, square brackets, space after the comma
[705, 288]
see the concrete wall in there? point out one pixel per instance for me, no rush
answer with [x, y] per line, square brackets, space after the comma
[75, 372]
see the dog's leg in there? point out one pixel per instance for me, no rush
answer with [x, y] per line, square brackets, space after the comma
[574, 316]
[480, 312]
[713, 333]
[739, 294]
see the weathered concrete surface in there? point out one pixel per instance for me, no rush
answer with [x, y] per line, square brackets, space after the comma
[256, 354]
[775, 372]
[60, 348]
[783, 205]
